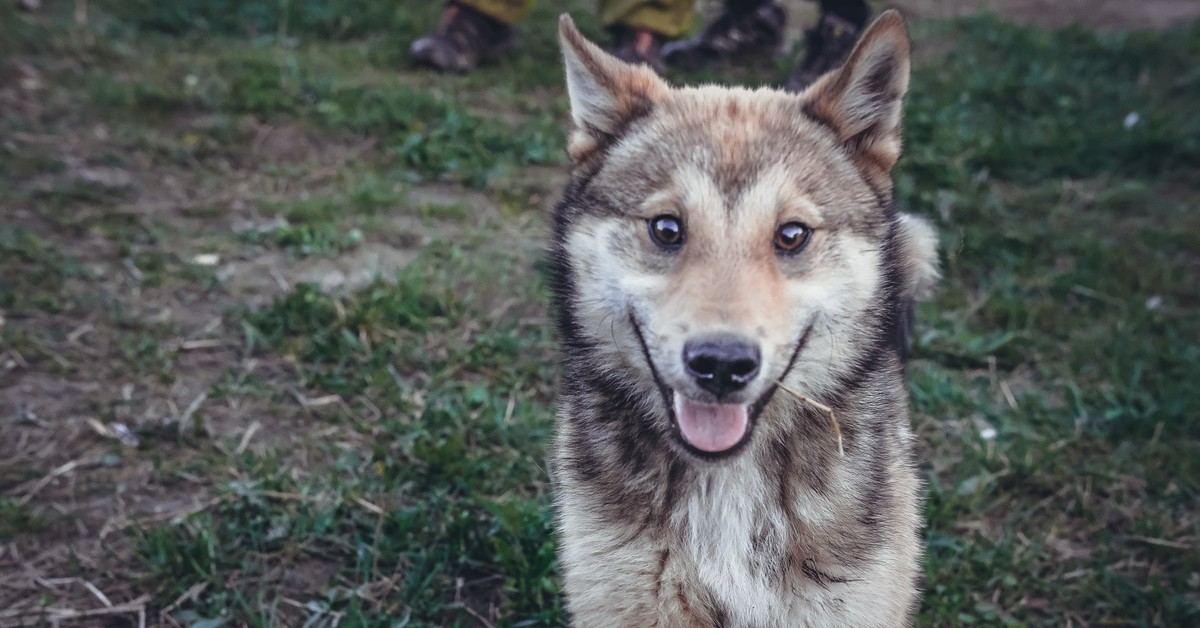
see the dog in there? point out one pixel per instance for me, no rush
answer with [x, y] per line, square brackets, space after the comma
[732, 282]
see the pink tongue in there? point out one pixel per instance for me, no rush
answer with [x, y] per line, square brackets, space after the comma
[711, 428]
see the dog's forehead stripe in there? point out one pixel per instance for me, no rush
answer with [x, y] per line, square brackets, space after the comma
[775, 196]
[745, 152]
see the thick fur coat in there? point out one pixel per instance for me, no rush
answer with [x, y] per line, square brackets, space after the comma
[764, 220]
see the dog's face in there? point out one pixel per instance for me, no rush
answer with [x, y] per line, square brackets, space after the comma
[719, 241]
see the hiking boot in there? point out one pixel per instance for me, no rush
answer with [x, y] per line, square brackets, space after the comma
[638, 45]
[737, 34]
[464, 39]
[826, 46]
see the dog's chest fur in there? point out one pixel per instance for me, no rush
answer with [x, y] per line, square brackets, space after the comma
[740, 544]
[732, 536]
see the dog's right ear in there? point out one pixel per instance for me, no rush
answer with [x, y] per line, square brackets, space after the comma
[606, 94]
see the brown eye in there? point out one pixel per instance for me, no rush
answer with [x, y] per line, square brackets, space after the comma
[666, 231]
[791, 237]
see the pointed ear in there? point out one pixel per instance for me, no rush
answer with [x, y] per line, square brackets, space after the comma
[862, 101]
[606, 94]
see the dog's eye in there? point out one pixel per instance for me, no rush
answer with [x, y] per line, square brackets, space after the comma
[792, 237]
[667, 231]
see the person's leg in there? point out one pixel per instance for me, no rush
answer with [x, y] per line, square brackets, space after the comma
[470, 32]
[640, 27]
[669, 18]
[745, 29]
[854, 11]
[828, 43]
[508, 11]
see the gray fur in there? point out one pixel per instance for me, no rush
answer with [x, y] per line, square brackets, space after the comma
[782, 530]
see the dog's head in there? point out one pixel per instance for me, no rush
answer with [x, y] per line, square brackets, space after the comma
[714, 241]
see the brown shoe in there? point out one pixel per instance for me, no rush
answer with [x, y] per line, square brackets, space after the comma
[738, 34]
[464, 39]
[826, 46]
[638, 45]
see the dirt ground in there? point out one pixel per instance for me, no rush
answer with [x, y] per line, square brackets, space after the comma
[1100, 14]
[1103, 15]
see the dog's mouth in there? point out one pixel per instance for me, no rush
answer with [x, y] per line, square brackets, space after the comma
[710, 430]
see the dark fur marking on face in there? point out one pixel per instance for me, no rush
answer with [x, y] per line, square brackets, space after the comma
[888, 341]
[662, 388]
[676, 474]
[658, 575]
[641, 107]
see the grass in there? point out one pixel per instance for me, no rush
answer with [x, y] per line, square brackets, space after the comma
[377, 453]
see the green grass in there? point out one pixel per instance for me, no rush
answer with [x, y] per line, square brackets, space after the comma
[37, 272]
[15, 520]
[1051, 381]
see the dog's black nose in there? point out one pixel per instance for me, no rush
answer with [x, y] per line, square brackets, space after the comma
[721, 365]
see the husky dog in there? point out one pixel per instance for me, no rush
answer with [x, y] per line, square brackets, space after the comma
[733, 282]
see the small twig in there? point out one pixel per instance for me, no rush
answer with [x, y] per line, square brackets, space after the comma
[470, 611]
[837, 429]
[134, 271]
[203, 343]
[114, 525]
[98, 593]
[79, 332]
[1008, 395]
[49, 477]
[371, 508]
[279, 279]
[191, 594]
[17, 358]
[320, 401]
[245, 442]
[56, 615]
[314, 499]
[1161, 542]
[508, 410]
[306, 402]
[116, 431]
[191, 409]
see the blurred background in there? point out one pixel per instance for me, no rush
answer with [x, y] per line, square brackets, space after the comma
[275, 349]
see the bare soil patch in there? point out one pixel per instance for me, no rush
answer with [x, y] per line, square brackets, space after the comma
[1095, 14]
[1098, 14]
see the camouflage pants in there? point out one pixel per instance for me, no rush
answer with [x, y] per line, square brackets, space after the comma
[668, 17]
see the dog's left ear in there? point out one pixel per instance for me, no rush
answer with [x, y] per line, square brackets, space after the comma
[606, 93]
[862, 101]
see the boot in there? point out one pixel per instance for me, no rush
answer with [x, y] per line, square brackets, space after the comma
[826, 46]
[738, 34]
[464, 39]
[638, 45]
